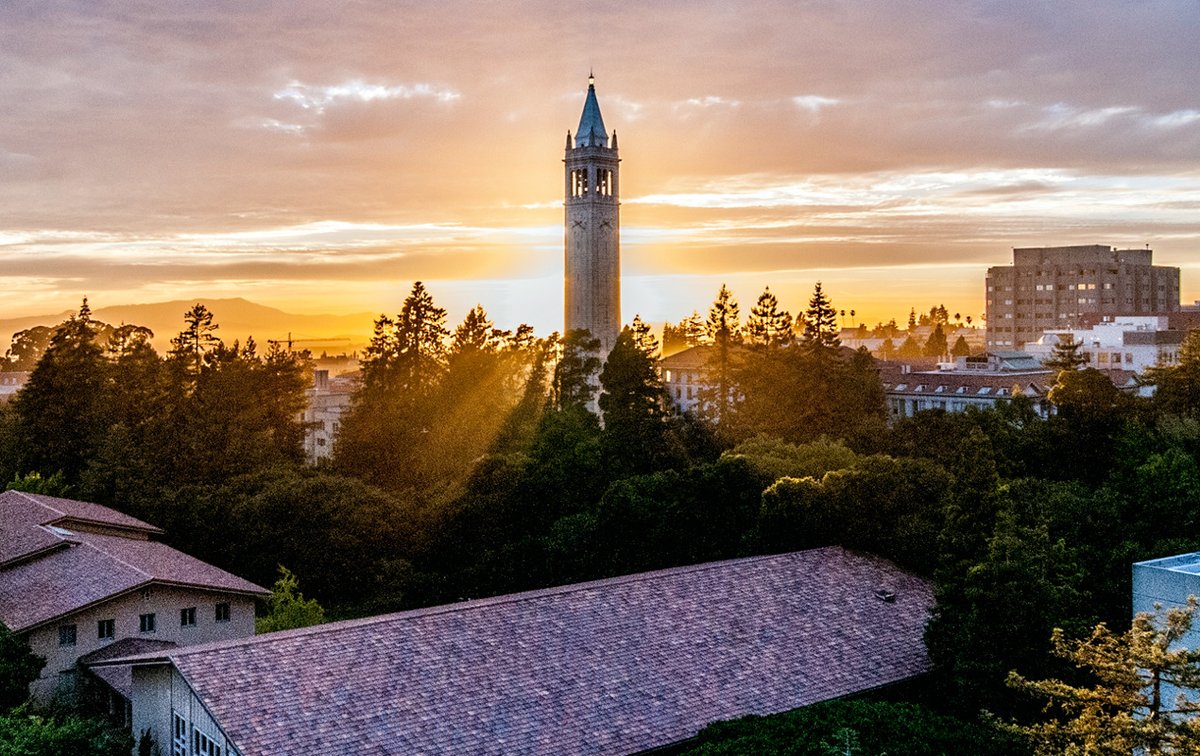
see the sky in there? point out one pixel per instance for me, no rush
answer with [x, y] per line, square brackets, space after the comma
[320, 157]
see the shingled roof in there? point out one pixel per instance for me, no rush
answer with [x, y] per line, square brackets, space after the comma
[613, 666]
[49, 569]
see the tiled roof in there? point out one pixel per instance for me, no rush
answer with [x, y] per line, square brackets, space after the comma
[120, 678]
[85, 568]
[54, 509]
[614, 666]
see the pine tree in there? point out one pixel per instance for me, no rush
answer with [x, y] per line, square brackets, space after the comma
[643, 337]
[573, 387]
[724, 333]
[1066, 354]
[1146, 695]
[632, 401]
[961, 348]
[191, 348]
[768, 326]
[935, 345]
[60, 414]
[820, 324]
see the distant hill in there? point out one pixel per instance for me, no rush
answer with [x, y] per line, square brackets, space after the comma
[237, 318]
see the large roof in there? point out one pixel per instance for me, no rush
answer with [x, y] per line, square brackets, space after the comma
[49, 569]
[613, 666]
[591, 131]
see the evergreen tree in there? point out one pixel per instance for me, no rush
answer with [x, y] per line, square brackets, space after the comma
[60, 413]
[1146, 694]
[724, 333]
[643, 337]
[632, 400]
[820, 325]
[768, 326]
[935, 346]
[287, 607]
[961, 348]
[19, 667]
[1066, 355]
[191, 348]
[910, 348]
[573, 387]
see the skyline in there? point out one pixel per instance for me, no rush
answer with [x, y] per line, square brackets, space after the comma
[320, 159]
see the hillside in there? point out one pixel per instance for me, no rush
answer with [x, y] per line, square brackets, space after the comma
[237, 318]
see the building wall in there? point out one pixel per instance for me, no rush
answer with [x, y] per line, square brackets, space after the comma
[58, 676]
[1134, 343]
[165, 706]
[1060, 287]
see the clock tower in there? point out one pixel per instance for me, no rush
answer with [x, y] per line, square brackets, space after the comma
[592, 236]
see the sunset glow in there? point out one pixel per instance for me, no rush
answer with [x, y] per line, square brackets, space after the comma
[320, 157]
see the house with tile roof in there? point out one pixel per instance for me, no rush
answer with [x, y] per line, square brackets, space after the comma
[78, 578]
[613, 666]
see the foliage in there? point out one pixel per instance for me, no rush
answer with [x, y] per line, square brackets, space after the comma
[1178, 386]
[865, 727]
[1066, 354]
[936, 345]
[768, 326]
[19, 667]
[632, 401]
[35, 483]
[1144, 693]
[961, 348]
[573, 385]
[287, 607]
[820, 334]
[724, 333]
[776, 459]
[23, 733]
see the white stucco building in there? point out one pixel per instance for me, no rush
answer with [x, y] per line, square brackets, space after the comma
[1126, 342]
[77, 579]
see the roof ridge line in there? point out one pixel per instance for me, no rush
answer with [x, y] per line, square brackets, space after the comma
[115, 558]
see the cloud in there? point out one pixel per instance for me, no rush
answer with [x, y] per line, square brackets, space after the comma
[318, 98]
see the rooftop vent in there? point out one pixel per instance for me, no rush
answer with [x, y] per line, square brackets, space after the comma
[885, 595]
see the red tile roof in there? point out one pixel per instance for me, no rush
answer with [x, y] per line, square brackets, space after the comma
[48, 571]
[613, 666]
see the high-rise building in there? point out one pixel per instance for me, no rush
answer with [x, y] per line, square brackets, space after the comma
[592, 228]
[1064, 287]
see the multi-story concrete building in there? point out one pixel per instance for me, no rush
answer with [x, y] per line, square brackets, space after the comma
[78, 580]
[1050, 288]
[592, 296]
[328, 400]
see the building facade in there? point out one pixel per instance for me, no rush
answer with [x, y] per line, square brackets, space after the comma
[1049, 288]
[328, 399]
[76, 578]
[981, 382]
[1136, 343]
[592, 241]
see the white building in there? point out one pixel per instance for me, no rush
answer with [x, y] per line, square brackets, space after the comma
[77, 578]
[980, 382]
[683, 375]
[1126, 342]
[328, 401]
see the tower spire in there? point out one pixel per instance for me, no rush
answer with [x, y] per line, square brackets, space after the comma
[591, 131]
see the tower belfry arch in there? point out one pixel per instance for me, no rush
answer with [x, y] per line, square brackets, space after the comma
[592, 240]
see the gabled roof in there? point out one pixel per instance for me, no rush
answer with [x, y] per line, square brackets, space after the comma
[591, 131]
[612, 666]
[48, 569]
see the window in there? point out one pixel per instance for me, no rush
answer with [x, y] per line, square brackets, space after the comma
[223, 611]
[66, 635]
[179, 735]
[187, 617]
[203, 745]
[106, 629]
[146, 623]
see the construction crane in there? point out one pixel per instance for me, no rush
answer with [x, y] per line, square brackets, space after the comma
[289, 341]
